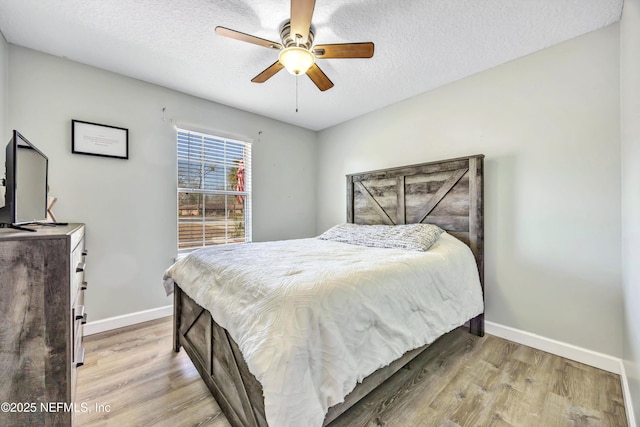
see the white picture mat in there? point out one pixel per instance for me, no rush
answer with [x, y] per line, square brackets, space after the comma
[101, 140]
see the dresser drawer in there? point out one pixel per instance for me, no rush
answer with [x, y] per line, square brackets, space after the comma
[77, 352]
[79, 318]
[78, 349]
[78, 265]
[79, 361]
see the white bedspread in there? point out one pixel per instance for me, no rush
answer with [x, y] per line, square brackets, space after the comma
[314, 317]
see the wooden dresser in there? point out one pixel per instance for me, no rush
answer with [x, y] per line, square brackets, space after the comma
[42, 289]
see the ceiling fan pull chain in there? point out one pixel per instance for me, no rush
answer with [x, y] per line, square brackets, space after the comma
[297, 93]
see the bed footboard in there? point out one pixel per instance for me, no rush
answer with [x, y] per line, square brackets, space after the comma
[221, 365]
[219, 362]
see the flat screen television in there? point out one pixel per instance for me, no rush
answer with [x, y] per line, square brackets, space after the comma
[26, 172]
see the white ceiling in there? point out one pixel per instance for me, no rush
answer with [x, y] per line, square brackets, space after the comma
[419, 45]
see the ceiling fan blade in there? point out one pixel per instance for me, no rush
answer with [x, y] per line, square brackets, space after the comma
[319, 78]
[247, 38]
[301, 13]
[344, 50]
[268, 73]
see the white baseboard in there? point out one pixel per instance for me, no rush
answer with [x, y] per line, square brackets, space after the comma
[569, 351]
[626, 393]
[127, 320]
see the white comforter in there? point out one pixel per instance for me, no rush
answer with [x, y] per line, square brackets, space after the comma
[314, 317]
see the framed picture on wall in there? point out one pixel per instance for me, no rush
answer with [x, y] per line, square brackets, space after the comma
[99, 140]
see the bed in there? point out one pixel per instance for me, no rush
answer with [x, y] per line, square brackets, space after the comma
[447, 193]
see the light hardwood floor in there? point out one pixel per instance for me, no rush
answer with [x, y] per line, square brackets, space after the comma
[462, 380]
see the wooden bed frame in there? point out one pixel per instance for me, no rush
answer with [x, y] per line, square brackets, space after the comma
[448, 193]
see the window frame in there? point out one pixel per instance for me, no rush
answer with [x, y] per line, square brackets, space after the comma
[209, 144]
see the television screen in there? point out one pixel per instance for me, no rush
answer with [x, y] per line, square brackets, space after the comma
[31, 183]
[26, 183]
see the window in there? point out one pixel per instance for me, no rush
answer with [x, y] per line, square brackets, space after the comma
[214, 190]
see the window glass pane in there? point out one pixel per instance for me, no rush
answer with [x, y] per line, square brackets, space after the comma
[235, 165]
[215, 207]
[189, 174]
[190, 230]
[213, 176]
[236, 221]
[236, 176]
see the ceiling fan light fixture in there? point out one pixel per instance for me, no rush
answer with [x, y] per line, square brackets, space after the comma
[297, 60]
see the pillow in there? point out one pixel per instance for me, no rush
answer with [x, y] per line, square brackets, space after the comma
[414, 237]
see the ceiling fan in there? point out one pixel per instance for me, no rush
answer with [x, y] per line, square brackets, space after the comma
[297, 52]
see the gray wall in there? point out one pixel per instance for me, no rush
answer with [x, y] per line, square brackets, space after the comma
[549, 125]
[630, 126]
[129, 206]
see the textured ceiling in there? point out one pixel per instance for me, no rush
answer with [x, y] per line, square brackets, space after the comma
[419, 45]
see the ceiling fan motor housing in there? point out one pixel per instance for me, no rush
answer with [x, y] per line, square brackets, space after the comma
[290, 40]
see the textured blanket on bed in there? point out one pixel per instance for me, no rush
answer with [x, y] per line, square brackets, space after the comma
[314, 317]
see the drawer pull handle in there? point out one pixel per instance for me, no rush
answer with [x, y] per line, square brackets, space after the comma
[83, 286]
[79, 312]
[85, 252]
[80, 357]
[80, 267]
[84, 319]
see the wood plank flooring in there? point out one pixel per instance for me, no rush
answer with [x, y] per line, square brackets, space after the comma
[462, 380]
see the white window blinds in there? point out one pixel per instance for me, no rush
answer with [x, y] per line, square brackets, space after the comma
[214, 190]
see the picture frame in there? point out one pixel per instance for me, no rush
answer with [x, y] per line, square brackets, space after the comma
[99, 140]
